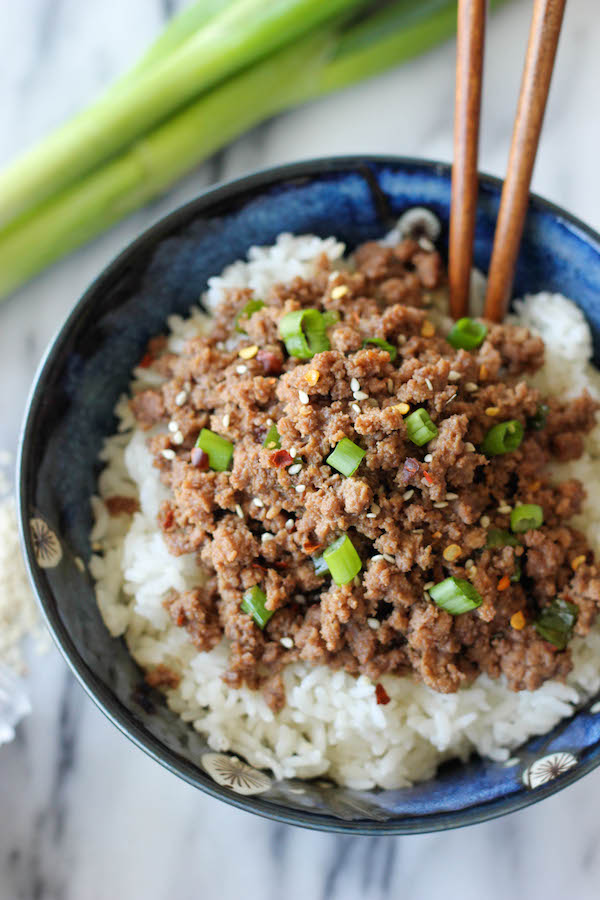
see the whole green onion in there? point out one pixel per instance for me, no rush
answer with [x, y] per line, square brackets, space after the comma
[251, 306]
[455, 595]
[346, 457]
[499, 537]
[253, 603]
[503, 438]
[218, 449]
[526, 517]
[419, 427]
[555, 623]
[303, 333]
[272, 440]
[342, 560]
[379, 342]
[467, 334]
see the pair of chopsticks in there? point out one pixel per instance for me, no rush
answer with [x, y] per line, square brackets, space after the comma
[539, 62]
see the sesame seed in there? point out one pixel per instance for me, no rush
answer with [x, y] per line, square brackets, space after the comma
[440, 505]
[239, 510]
[173, 427]
[426, 244]
[271, 445]
[266, 537]
[454, 376]
[401, 340]
[470, 447]
[177, 438]
[505, 509]
[300, 488]
[374, 624]
[258, 502]
[371, 515]
[427, 458]
[390, 385]
[484, 521]
[269, 422]
[293, 452]
[226, 420]
[389, 558]
[289, 524]
[168, 454]
[469, 564]
[452, 552]
[492, 411]
[578, 561]
[339, 291]
[303, 397]
[429, 585]
[248, 352]
[450, 400]
[377, 556]
[293, 470]
[402, 408]
[451, 496]
[355, 407]
[287, 642]
[408, 494]
[471, 387]
[354, 385]
[360, 395]
[181, 398]
[426, 596]
[419, 531]
[429, 384]
[241, 369]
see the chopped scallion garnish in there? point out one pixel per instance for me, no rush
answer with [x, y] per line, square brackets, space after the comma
[321, 567]
[499, 537]
[516, 575]
[503, 438]
[384, 345]
[253, 603]
[330, 317]
[346, 457]
[303, 333]
[467, 334]
[272, 440]
[251, 307]
[419, 427]
[526, 517]
[455, 595]
[555, 623]
[342, 560]
[538, 421]
[218, 449]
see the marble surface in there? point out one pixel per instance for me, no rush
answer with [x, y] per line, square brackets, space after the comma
[84, 815]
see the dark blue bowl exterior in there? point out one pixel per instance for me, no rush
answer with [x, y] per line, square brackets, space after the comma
[89, 366]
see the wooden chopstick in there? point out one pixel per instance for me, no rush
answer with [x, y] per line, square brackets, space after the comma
[470, 36]
[541, 51]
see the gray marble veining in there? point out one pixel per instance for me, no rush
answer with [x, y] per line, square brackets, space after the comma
[84, 815]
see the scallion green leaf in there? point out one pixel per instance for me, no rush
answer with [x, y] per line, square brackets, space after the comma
[330, 317]
[526, 517]
[384, 345]
[503, 438]
[419, 427]
[251, 306]
[499, 537]
[467, 334]
[455, 595]
[218, 449]
[303, 333]
[342, 560]
[253, 603]
[272, 440]
[346, 457]
[555, 623]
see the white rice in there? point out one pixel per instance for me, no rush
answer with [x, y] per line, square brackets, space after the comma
[331, 723]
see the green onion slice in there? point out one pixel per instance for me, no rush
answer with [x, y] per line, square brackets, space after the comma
[272, 441]
[379, 342]
[538, 421]
[419, 427]
[516, 575]
[218, 449]
[303, 333]
[456, 596]
[467, 334]
[342, 560]
[526, 517]
[321, 567]
[346, 457]
[499, 537]
[330, 317]
[251, 306]
[555, 622]
[503, 438]
[253, 603]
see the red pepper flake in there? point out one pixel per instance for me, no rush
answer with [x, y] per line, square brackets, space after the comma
[504, 583]
[428, 478]
[181, 619]
[199, 459]
[271, 362]
[281, 458]
[411, 468]
[146, 361]
[309, 547]
[381, 695]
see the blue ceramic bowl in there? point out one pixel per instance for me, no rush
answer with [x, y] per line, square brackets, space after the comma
[89, 365]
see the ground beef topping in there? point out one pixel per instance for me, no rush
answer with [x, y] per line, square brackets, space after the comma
[415, 514]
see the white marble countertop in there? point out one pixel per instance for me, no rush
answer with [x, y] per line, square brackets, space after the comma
[84, 815]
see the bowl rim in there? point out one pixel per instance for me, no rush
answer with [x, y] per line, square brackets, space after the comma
[101, 695]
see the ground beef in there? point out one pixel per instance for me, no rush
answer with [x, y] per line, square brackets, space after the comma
[416, 515]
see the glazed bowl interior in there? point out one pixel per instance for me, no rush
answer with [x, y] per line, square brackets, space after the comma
[88, 367]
